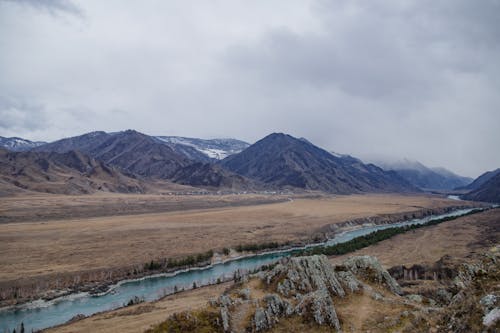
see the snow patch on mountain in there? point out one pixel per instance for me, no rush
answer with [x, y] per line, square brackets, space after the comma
[214, 148]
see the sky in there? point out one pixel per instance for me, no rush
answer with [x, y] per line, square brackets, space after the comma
[416, 79]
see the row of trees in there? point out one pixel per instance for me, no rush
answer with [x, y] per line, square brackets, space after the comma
[374, 237]
[180, 262]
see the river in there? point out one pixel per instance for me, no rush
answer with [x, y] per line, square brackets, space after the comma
[42, 314]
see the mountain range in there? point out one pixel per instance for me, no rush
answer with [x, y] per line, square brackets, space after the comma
[276, 162]
[284, 161]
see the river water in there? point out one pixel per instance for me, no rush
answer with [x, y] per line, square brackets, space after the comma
[42, 314]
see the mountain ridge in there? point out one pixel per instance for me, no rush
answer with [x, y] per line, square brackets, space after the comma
[284, 161]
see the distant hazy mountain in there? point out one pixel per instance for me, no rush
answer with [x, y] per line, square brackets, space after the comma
[18, 144]
[487, 191]
[149, 156]
[205, 150]
[424, 177]
[285, 161]
[66, 173]
[479, 181]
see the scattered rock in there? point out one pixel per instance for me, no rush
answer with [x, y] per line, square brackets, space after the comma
[492, 317]
[245, 294]
[415, 298]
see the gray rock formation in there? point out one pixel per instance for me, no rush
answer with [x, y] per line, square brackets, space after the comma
[369, 268]
[320, 305]
[306, 274]
[275, 307]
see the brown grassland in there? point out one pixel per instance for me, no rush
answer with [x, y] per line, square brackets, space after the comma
[38, 248]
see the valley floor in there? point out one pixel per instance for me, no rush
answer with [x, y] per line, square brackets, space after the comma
[460, 238]
[41, 249]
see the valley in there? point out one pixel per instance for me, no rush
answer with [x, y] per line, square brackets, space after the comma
[98, 248]
[461, 240]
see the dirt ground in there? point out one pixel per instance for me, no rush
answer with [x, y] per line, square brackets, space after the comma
[32, 249]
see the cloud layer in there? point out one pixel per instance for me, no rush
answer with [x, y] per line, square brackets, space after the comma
[393, 79]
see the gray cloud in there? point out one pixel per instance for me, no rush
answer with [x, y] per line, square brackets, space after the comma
[53, 7]
[416, 79]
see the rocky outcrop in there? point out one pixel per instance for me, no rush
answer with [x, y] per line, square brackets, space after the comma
[320, 305]
[306, 274]
[275, 307]
[301, 286]
[369, 268]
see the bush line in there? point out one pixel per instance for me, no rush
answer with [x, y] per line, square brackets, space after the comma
[374, 237]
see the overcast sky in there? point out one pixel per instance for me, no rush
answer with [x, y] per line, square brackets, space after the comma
[375, 79]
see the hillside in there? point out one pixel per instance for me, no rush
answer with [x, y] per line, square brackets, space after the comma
[479, 181]
[284, 161]
[64, 173]
[488, 191]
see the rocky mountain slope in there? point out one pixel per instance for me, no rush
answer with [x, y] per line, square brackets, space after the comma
[479, 181]
[64, 173]
[424, 177]
[284, 161]
[488, 191]
[18, 144]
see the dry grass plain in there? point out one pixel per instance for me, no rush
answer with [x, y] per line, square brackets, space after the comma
[458, 238]
[34, 249]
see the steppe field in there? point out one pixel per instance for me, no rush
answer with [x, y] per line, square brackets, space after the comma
[43, 238]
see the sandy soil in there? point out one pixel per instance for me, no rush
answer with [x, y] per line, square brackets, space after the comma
[33, 249]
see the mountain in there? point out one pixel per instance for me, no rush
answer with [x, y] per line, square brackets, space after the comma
[18, 144]
[424, 177]
[213, 176]
[488, 191]
[479, 181]
[204, 150]
[64, 173]
[151, 157]
[284, 161]
[128, 150]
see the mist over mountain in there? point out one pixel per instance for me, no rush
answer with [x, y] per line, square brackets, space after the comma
[424, 177]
